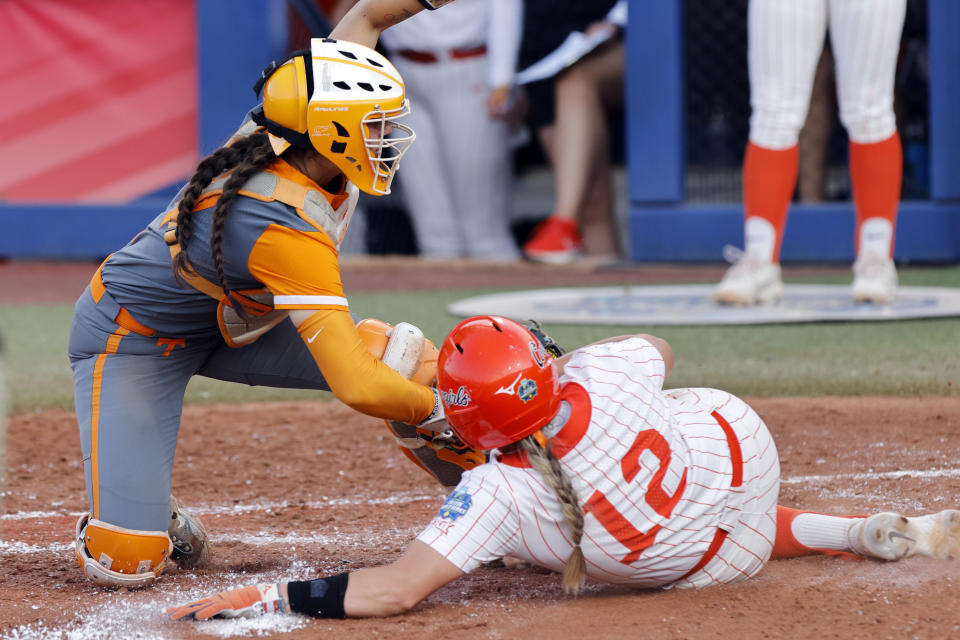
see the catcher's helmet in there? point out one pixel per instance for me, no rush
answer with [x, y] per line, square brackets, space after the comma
[497, 382]
[341, 99]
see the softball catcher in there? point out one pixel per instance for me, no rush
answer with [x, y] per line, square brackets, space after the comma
[595, 472]
[239, 280]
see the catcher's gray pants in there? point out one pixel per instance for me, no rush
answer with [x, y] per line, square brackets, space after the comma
[128, 392]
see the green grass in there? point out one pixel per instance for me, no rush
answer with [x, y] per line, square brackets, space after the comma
[914, 357]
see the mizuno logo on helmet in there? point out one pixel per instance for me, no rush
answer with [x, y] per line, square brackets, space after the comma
[460, 398]
[509, 389]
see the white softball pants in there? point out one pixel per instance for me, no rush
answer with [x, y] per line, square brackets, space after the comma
[747, 548]
[456, 177]
[785, 38]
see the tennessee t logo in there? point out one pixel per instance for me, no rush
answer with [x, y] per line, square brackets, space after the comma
[171, 344]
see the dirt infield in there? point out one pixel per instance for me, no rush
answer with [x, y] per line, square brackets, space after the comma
[297, 490]
[291, 491]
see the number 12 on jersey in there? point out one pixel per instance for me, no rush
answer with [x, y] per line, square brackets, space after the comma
[615, 522]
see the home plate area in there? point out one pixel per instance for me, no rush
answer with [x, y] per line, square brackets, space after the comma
[693, 305]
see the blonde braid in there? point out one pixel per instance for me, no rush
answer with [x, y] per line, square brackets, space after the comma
[575, 571]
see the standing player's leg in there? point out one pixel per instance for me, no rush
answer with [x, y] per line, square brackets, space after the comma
[785, 39]
[477, 154]
[425, 177]
[579, 149]
[865, 35]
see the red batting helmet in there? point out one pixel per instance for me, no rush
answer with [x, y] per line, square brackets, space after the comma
[497, 383]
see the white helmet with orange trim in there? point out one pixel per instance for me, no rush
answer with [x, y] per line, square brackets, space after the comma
[343, 100]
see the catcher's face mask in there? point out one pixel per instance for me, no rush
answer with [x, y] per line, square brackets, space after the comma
[343, 100]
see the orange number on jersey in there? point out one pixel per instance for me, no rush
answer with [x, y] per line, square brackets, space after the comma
[614, 521]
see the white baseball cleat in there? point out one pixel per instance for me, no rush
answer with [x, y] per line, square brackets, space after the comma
[874, 279]
[749, 280]
[891, 536]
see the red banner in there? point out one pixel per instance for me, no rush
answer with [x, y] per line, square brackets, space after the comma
[99, 99]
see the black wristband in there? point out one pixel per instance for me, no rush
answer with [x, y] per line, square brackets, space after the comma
[321, 598]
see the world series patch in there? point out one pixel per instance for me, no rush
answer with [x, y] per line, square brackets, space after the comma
[527, 390]
[456, 504]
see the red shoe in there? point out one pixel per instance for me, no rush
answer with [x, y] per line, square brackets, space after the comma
[554, 241]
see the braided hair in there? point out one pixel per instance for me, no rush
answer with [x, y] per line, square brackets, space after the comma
[245, 157]
[543, 460]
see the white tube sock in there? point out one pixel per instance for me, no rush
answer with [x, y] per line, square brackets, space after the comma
[825, 532]
[759, 239]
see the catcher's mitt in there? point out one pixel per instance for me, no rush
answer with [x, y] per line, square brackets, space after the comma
[441, 454]
[548, 343]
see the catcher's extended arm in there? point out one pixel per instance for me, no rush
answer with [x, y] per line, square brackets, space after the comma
[432, 445]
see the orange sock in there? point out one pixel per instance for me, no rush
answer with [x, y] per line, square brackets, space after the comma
[769, 178]
[786, 544]
[876, 173]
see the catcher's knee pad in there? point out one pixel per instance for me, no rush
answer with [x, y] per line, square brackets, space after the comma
[189, 537]
[113, 556]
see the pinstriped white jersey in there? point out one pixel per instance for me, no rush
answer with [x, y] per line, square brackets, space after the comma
[652, 473]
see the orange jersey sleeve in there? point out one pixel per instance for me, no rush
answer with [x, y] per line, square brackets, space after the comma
[357, 378]
[300, 268]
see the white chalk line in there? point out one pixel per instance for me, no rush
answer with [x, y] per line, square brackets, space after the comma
[874, 475]
[265, 507]
[261, 539]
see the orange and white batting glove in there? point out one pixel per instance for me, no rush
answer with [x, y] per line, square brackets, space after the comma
[245, 602]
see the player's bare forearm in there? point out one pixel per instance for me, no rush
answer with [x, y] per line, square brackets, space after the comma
[368, 18]
[395, 588]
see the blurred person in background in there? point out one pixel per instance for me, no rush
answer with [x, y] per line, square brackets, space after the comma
[578, 141]
[458, 179]
[571, 63]
[785, 40]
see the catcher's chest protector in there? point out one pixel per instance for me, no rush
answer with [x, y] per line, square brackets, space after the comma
[267, 186]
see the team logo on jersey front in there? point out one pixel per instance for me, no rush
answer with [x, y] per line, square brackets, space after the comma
[457, 504]
[527, 390]
[458, 398]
